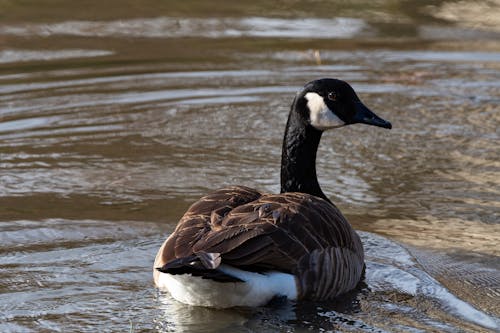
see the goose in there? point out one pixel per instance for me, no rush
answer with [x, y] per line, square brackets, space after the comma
[238, 246]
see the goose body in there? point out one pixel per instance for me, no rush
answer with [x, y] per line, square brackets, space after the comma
[239, 247]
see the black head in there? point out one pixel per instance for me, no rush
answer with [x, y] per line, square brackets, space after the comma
[330, 103]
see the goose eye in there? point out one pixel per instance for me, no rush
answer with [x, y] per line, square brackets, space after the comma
[332, 96]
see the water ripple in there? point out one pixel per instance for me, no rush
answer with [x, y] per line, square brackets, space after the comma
[169, 27]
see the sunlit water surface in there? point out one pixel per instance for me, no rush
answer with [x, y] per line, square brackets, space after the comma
[110, 126]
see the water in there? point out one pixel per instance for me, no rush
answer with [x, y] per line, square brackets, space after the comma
[114, 118]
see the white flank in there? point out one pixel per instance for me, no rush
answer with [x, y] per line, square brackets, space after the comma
[321, 116]
[256, 290]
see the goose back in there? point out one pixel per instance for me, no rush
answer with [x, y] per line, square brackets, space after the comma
[290, 232]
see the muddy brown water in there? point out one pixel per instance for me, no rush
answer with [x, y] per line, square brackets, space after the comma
[115, 116]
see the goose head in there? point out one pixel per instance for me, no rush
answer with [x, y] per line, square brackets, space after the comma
[322, 104]
[332, 103]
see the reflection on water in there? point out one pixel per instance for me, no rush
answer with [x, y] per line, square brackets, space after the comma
[28, 55]
[111, 126]
[340, 27]
[478, 14]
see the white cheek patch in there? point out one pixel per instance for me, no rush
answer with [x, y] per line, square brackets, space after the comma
[322, 118]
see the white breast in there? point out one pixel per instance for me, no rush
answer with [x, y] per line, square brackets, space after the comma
[257, 289]
[321, 116]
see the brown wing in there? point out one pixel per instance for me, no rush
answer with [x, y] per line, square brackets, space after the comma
[202, 217]
[291, 232]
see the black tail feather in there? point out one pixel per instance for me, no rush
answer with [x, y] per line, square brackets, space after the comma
[196, 266]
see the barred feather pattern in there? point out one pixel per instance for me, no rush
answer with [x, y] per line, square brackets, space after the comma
[292, 232]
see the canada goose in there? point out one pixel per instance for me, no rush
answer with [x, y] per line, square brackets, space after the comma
[240, 247]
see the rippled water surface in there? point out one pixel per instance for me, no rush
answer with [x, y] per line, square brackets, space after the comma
[115, 116]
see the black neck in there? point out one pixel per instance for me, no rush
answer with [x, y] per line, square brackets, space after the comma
[298, 158]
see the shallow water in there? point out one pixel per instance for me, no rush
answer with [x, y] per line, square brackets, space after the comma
[114, 118]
